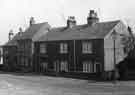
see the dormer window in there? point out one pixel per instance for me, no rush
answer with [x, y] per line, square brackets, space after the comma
[43, 48]
[86, 47]
[63, 48]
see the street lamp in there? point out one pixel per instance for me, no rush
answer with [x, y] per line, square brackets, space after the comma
[114, 37]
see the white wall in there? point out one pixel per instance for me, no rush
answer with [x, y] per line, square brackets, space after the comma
[120, 28]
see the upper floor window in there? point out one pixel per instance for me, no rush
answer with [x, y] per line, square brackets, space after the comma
[43, 48]
[86, 47]
[63, 48]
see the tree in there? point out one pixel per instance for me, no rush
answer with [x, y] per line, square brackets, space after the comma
[129, 44]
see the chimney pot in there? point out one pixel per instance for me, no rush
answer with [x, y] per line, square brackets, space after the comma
[10, 35]
[20, 31]
[71, 22]
[32, 21]
[92, 18]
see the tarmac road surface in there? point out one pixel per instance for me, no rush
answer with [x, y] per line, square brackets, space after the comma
[11, 84]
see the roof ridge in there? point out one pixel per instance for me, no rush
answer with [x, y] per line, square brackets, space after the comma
[110, 21]
[99, 30]
[85, 24]
[40, 23]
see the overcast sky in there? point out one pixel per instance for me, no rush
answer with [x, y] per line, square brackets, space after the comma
[16, 13]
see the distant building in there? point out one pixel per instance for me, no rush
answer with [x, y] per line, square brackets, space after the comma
[1, 55]
[23, 45]
[84, 49]
[10, 52]
[26, 43]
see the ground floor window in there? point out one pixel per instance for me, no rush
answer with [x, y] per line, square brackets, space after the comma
[87, 67]
[64, 66]
[61, 66]
[1, 60]
[43, 66]
[56, 66]
[91, 67]
[26, 62]
[23, 61]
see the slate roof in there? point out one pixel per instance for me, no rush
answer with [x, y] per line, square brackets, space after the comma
[99, 30]
[30, 32]
[12, 42]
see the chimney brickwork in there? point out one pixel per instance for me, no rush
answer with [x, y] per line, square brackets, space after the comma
[10, 35]
[71, 22]
[92, 18]
[32, 21]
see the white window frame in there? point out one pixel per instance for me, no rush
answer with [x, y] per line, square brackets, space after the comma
[42, 48]
[44, 66]
[63, 48]
[87, 47]
[87, 67]
[64, 66]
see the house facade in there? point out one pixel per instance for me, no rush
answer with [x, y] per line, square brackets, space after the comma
[9, 53]
[89, 49]
[26, 43]
[23, 44]
[80, 56]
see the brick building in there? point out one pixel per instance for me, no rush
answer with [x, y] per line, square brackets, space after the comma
[10, 52]
[20, 47]
[88, 49]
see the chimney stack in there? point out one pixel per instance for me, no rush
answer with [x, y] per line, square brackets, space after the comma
[71, 22]
[10, 35]
[20, 31]
[92, 18]
[32, 21]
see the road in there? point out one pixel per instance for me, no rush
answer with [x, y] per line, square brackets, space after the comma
[11, 84]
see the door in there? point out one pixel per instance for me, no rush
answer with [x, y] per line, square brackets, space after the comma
[97, 67]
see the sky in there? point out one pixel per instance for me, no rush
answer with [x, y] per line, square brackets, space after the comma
[16, 13]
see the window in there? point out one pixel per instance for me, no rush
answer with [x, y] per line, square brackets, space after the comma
[6, 52]
[87, 47]
[44, 66]
[42, 48]
[22, 61]
[26, 63]
[63, 48]
[87, 67]
[32, 48]
[64, 66]
[56, 66]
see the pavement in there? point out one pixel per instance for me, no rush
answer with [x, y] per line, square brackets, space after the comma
[12, 84]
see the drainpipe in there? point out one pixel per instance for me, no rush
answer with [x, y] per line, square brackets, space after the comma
[114, 36]
[114, 62]
[74, 57]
